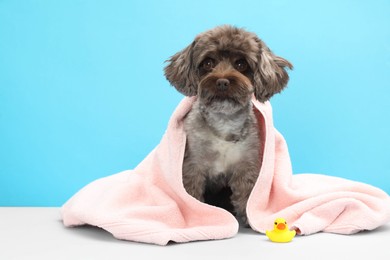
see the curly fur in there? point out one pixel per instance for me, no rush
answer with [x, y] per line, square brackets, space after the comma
[225, 67]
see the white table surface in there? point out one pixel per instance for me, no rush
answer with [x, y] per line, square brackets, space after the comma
[38, 233]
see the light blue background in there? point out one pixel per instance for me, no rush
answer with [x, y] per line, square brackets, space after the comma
[82, 91]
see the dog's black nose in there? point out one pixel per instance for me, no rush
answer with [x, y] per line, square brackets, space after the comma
[222, 84]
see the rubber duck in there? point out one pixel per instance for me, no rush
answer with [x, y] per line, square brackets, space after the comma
[281, 233]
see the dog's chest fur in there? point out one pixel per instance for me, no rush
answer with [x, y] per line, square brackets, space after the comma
[221, 142]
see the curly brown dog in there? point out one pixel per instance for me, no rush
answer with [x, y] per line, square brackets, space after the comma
[225, 67]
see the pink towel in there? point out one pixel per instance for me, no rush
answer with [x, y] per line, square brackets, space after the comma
[149, 204]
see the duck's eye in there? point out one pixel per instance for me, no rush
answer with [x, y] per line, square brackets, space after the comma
[208, 64]
[241, 65]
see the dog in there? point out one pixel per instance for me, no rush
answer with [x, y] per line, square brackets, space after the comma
[225, 67]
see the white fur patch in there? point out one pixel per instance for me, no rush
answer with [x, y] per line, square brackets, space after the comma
[229, 153]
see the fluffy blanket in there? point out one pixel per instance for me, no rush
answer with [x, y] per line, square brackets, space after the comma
[149, 204]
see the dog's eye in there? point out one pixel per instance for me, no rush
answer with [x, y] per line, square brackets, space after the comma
[241, 65]
[208, 64]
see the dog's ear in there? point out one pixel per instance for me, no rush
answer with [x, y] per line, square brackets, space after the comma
[181, 73]
[270, 75]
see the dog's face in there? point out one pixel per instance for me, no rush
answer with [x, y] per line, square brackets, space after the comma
[227, 63]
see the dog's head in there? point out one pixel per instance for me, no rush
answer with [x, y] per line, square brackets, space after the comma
[227, 63]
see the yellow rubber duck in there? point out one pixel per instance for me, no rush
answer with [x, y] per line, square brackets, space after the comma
[281, 233]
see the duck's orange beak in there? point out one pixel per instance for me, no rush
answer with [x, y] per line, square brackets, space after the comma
[281, 226]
